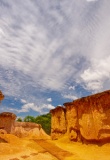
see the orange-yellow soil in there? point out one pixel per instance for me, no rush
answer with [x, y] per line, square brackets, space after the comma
[83, 151]
[14, 148]
[19, 148]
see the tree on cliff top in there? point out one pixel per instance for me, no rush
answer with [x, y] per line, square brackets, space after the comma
[19, 120]
[44, 120]
[29, 119]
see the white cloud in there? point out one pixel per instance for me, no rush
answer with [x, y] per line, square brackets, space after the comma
[30, 47]
[60, 105]
[95, 77]
[49, 100]
[27, 107]
[49, 45]
[42, 109]
[72, 88]
[48, 106]
[23, 100]
[91, 0]
[32, 106]
[70, 96]
[2, 34]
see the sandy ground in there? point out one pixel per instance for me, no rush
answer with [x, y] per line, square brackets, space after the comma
[19, 149]
[14, 148]
[83, 151]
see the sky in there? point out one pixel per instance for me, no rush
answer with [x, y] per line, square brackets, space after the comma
[52, 52]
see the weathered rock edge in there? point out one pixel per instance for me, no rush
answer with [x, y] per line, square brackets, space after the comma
[85, 119]
[1, 96]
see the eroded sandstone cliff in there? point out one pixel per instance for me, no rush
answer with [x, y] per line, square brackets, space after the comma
[87, 118]
[20, 129]
[58, 122]
[7, 121]
[29, 129]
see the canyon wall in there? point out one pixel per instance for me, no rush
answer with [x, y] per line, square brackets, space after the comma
[20, 129]
[85, 119]
[58, 122]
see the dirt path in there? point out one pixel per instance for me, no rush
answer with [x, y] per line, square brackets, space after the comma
[57, 152]
[29, 149]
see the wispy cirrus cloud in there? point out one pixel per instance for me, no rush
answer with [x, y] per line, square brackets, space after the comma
[52, 46]
[91, 0]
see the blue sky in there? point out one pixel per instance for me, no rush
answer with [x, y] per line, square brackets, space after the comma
[52, 52]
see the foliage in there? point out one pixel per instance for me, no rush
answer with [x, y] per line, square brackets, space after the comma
[19, 120]
[29, 119]
[44, 120]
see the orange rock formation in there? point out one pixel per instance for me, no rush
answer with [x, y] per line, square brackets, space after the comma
[20, 129]
[58, 122]
[24, 129]
[85, 119]
[7, 120]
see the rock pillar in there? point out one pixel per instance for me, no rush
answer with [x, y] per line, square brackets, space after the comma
[7, 121]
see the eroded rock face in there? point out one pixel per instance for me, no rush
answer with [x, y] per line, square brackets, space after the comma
[7, 120]
[2, 131]
[58, 122]
[87, 118]
[72, 121]
[94, 116]
[21, 129]
[26, 129]
[27, 125]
